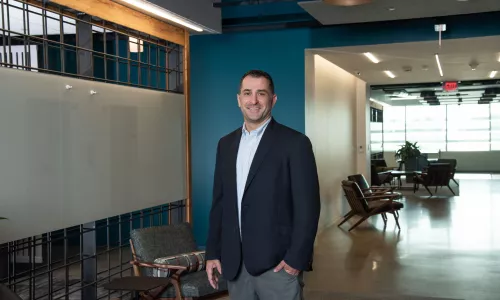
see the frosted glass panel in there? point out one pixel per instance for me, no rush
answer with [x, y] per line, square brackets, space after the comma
[68, 157]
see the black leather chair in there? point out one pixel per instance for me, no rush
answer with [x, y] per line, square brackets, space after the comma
[379, 179]
[366, 207]
[436, 175]
[453, 166]
[368, 190]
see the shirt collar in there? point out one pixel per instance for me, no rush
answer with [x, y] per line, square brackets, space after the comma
[257, 131]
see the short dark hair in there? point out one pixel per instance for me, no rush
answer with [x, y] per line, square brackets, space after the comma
[257, 74]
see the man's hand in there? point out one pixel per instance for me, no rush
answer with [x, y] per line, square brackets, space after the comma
[287, 268]
[213, 278]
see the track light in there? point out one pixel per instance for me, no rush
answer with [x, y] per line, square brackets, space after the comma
[380, 102]
[439, 65]
[162, 13]
[390, 74]
[371, 57]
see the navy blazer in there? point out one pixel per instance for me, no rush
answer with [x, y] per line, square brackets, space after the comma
[280, 206]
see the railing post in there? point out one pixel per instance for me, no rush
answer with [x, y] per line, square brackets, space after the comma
[88, 249]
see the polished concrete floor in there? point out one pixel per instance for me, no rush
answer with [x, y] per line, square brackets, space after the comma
[448, 247]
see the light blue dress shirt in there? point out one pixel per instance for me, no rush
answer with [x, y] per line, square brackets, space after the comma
[248, 146]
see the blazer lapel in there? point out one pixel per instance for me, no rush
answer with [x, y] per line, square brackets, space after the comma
[263, 148]
[233, 157]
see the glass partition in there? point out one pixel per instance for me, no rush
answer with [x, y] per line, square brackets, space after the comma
[466, 127]
[495, 126]
[427, 126]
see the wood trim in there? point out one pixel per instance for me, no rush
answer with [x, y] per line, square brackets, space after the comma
[123, 15]
[187, 99]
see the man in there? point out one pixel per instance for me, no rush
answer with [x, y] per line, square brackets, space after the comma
[266, 205]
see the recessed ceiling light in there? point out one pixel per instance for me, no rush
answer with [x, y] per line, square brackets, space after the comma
[371, 57]
[391, 9]
[390, 74]
[493, 74]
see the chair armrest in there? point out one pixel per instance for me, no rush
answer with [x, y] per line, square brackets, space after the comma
[390, 197]
[376, 188]
[379, 193]
[379, 190]
[153, 265]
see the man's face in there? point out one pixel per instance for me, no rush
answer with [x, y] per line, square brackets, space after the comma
[256, 99]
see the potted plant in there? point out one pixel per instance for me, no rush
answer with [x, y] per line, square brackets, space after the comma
[408, 154]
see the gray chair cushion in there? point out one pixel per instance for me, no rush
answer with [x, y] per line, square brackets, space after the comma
[162, 241]
[195, 285]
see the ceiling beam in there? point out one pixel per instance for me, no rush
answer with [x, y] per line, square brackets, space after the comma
[125, 16]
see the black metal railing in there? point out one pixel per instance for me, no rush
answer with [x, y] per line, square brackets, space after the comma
[41, 37]
[74, 263]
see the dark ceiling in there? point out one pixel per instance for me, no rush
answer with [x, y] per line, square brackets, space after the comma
[242, 15]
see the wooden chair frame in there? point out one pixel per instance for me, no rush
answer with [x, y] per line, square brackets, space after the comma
[378, 193]
[174, 278]
[358, 208]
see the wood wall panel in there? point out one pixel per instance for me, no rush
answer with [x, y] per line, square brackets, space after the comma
[119, 14]
[187, 62]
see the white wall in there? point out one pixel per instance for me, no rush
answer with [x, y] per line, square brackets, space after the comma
[332, 112]
[68, 157]
[363, 128]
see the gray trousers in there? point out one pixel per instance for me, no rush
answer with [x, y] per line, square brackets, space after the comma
[267, 286]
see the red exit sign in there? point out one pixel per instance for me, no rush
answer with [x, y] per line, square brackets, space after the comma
[450, 86]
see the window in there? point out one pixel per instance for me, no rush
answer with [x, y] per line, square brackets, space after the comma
[427, 126]
[495, 126]
[468, 127]
[376, 137]
[394, 127]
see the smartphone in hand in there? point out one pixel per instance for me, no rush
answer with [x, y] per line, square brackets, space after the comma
[215, 277]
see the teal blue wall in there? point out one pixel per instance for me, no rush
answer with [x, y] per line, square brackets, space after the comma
[218, 61]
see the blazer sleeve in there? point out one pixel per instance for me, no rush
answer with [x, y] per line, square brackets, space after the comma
[306, 205]
[215, 217]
